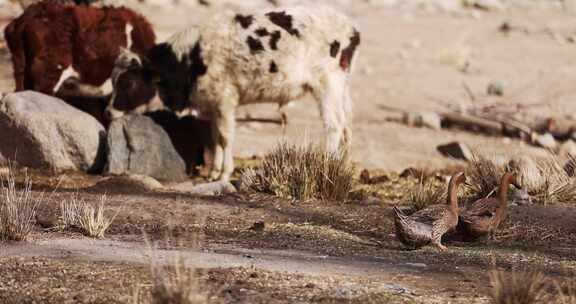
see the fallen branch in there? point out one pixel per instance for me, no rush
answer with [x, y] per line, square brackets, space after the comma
[470, 121]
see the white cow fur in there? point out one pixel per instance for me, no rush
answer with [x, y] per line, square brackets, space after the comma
[236, 77]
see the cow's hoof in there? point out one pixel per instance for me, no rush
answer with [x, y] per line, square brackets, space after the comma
[214, 176]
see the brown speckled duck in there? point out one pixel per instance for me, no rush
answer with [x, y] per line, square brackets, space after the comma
[428, 225]
[483, 217]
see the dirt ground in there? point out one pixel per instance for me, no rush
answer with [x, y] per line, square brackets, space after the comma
[328, 252]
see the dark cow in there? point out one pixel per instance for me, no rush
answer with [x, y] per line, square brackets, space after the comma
[52, 41]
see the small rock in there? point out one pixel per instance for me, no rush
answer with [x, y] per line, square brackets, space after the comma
[567, 149]
[456, 150]
[214, 188]
[505, 27]
[520, 197]
[429, 120]
[258, 226]
[546, 141]
[495, 88]
[528, 172]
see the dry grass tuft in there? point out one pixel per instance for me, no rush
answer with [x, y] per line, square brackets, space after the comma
[92, 221]
[426, 194]
[176, 284]
[528, 287]
[517, 288]
[303, 173]
[17, 208]
[566, 293]
[545, 179]
[483, 176]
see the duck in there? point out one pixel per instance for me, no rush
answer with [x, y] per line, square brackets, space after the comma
[427, 226]
[484, 216]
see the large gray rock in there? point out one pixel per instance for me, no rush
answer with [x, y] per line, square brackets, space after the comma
[41, 131]
[137, 145]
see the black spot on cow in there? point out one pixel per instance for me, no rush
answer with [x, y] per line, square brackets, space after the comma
[197, 67]
[171, 75]
[348, 52]
[255, 45]
[273, 67]
[274, 38]
[284, 21]
[334, 48]
[244, 21]
[262, 32]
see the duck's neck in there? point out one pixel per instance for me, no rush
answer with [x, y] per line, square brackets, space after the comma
[452, 199]
[503, 194]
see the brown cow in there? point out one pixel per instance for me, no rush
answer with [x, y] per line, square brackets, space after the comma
[51, 42]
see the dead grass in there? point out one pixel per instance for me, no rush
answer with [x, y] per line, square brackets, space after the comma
[566, 293]
[176, 284]
[483, 176]
[426, 194]
[518, 287]
[303, 173]
[529, 287]
[545, 179]
[91, 221]
[17, 208]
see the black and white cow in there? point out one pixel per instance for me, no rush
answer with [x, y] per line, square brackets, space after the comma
[275, 56]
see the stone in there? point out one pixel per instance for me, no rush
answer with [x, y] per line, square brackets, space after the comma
[456, 150]
[495, 88]
[529, 175]
[545, 140]
[211, 189]
[429, 120]
[190, 137]
[137, 145]
[41, 131]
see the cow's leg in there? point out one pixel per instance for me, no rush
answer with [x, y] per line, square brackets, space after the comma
[347, 112]
[224, 132]
[331, 98]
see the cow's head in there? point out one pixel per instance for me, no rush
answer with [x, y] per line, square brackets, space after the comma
[162, 74]
[133, 86]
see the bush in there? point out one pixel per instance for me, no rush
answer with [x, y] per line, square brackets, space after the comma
[303, 173]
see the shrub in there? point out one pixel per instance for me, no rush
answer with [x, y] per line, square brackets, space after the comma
[545, 179]
[303, 173]
[17, 208]
[517, 288]
[425, 194]
[483, 176]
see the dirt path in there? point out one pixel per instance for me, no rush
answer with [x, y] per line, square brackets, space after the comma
[414, 279]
